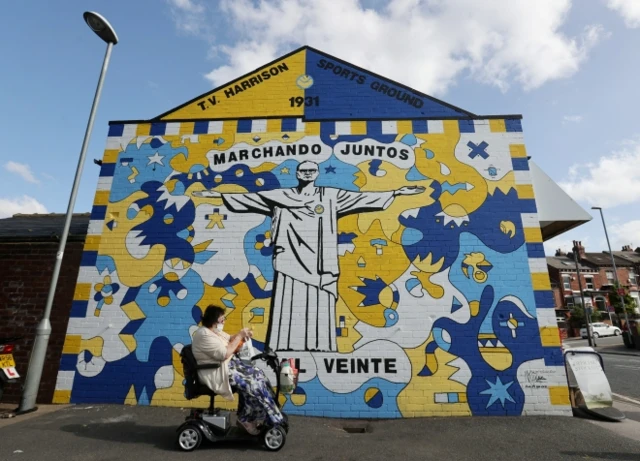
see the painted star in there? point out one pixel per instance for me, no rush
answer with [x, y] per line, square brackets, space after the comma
[284, 170]
[498, 391]
[156, 158]
[330, 169]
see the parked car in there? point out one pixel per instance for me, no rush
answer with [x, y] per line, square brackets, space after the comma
[600, 329]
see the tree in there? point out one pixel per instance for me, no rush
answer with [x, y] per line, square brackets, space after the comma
[577, 319]
[616, 302]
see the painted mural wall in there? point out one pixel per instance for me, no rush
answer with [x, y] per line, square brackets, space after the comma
[397, 255]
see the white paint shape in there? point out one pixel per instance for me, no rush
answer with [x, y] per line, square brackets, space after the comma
[416, 316]
[164, 377]
[227, 241]
[335, 370]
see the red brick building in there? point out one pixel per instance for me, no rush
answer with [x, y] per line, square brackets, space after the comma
[28, 246]
[597, 277]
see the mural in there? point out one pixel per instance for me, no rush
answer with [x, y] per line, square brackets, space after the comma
[397, 256]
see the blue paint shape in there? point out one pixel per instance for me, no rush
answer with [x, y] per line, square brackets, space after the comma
[344, 237]
[156, 143]
[144, 398]
[455, 305]
[79, 309]
[200, 127]
[429, 153]
[374, 166]
[520, 164]
[349, 93]
[132, 327]
[244, 126]
[411, 236]
[414, 175]
[466, 126]
[98, 212]
[443, 344]
[513, 125]
[371, 290]
[289, 124]
[391, 317]
[158, 129]
[453, 397]
[409, 140]
[419, 126]
[478, 149]
[116, 130]
[110, 224]
[89, 258]
[452, 189]
[107, 170]
[196, 314]
[204, 256]
[412, 283]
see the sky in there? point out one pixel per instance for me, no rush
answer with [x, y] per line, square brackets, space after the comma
[569, 67]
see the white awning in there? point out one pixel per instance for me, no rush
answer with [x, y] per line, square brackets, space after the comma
[557, 211]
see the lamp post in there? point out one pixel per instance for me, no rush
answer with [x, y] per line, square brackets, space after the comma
[587, 314]
[615, 270]
[104, 30]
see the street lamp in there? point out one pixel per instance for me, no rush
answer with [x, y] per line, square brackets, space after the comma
[102, 29]
[615, 270]
[587, 313]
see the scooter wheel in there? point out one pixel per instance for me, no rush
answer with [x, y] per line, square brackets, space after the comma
[274, 438]
[189, 438]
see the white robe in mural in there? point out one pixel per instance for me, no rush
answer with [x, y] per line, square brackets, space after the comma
[304, 232]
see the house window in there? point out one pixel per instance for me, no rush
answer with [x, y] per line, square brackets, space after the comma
[632, 277]
[610, 278]
[566, 282]
[588, 281]
[568, 301]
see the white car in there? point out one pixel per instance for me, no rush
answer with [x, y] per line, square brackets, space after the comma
[601, 329]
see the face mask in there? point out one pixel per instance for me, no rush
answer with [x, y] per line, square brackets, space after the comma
[220, 326]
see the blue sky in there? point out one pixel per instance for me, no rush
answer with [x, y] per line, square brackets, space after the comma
[569, 67]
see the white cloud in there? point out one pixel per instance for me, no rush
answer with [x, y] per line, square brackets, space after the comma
[189, 17]
[426, 44]
[24, 204]
[23, 170]
[625, 234]
[628, 9]
[613, 181]
[572, 118]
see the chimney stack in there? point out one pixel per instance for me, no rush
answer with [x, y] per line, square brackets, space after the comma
[627, 248]
[559, 252]
[577, 246]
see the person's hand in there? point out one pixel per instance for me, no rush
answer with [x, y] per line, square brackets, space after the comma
[409, 190]
[246, 333]
[206, 194]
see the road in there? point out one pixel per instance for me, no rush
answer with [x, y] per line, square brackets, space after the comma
[600, 342]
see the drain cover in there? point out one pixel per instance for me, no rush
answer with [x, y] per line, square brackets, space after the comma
[355, 430]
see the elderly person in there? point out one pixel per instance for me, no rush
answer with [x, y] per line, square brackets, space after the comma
[212, 345]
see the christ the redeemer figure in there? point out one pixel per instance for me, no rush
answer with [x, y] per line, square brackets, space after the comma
[304, 234]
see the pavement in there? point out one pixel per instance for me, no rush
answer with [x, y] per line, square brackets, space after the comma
[116, 432]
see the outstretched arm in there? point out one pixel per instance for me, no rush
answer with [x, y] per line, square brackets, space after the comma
[239, 203]
[359, 202]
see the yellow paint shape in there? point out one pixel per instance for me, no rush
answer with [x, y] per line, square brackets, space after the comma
[264, 92]
[133, 311]
[312, 128]
[532, 235]
[92, 243]
[540, 281]
[525, 191]
[497, 126]
[129, 341]
[358, 128]
[82, 292]
[101, 198]
[60, 396]
[93, 345]
[474, 308]
[186, 128]
[143, 129]
[130, 399]
[559, 395]
[518, 151]
[274, 125]
[451, 127]
[404, 127]
[550, 336]
[72, 344]
[499, 358]
[110, 155]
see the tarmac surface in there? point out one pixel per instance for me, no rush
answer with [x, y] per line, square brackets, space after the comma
[115, 432]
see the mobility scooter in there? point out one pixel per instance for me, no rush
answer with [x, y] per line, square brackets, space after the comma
[215, 424]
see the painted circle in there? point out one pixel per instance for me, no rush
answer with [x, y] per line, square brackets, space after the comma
[239, 173]
[373, 397]
[304, 81]
[411, 236]
[319, 209]
[259, 182]
[217, 178]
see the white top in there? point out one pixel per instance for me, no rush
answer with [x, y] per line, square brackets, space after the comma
[211, 347]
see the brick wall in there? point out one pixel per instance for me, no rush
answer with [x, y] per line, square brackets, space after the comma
[25, 275]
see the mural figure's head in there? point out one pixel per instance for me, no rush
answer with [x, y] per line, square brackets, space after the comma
[307, 172]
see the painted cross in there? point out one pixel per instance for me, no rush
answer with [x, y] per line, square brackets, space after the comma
[478, 149]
